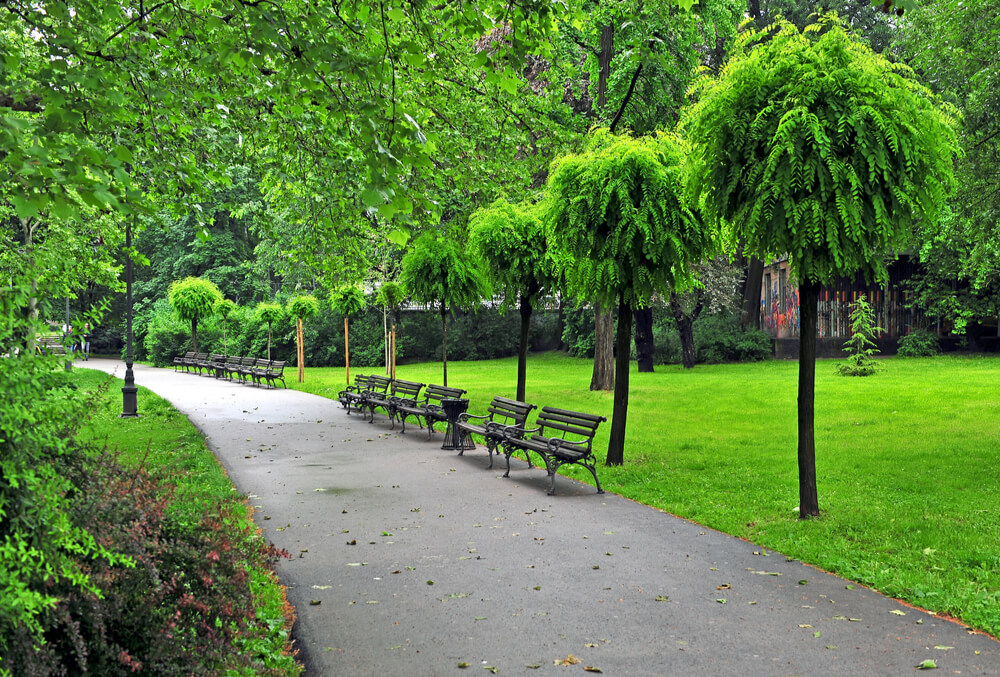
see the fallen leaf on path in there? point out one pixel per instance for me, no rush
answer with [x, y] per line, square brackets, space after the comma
[569, 660]
[897, 612]
[722, 600]
[322, 587]
[591, 668]
[724, 586]
[314, 602]
[927, 665]
[662, 598]
[941, 647]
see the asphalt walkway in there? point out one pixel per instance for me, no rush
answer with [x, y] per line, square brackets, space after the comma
[410, 560]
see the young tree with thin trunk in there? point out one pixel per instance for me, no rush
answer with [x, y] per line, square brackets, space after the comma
[812, 145]
[224, 308]
[390, 295]
[347, 301]
[300, 308]
[438, 271]
[510, 239]
[619, 210]
[194, 299]
[269, 314]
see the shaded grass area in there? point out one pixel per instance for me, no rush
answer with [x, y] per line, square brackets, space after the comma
[167, 445]
[907, 461]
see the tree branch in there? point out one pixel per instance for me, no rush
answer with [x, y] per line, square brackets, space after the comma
[628, 95]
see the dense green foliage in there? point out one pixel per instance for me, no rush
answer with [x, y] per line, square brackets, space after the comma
[920, 343]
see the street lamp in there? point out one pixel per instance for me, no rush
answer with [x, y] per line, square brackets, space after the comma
[129, 392]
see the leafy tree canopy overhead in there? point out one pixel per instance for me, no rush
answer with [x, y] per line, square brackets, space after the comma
[347, 300]
[390, 294]
[301, 307]
[810, 144]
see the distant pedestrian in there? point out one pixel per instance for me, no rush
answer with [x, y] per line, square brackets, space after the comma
[86, 340]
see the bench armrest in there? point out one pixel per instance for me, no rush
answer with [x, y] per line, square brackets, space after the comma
[463, 417]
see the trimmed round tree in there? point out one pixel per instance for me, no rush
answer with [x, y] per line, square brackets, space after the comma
[300, 308]
[224, 308]
[390, 295]
[347, 301]
[510, 239]
[619, 210]
[438, 271]
[269, 313]
[194, 299]
[811, 144]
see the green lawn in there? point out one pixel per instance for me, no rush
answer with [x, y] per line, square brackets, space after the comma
[907, 461]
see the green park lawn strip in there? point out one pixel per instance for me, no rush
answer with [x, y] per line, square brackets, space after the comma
[907, 461]
[164, 442]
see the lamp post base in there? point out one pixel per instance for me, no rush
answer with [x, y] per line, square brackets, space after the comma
[130, 403]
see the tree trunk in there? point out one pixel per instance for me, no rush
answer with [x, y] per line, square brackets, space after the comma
[808, 498]
[444, 343]
[347, 353]
[616, 445]
[194, 334]
[644, 346]
[753, 269]
[392, 349]
[386, 345]
[301, 357]
[269, 341]
[561, 323]
[685, 327]
[522, 349]
[604, 375]
[607, 50]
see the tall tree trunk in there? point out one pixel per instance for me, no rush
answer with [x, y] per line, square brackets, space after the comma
[808, 497]
[386, 345]
[444, 342]
[616, 445]
[194, 334]
[347, 353]
[522, 349]
[561, 323]
[392, 349]
[604, 375]
[644, 346]
[28, 225]
[269, 341]
[685, 326]
[753, 273]
[607, 50]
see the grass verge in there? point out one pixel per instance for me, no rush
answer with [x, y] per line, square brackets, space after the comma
[167, 445]
[906, 461]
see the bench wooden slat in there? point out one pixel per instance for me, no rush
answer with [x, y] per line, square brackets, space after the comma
[429, 408]
[504, 417]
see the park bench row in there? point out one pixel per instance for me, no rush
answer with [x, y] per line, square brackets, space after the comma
[559, 436]
[252, 370]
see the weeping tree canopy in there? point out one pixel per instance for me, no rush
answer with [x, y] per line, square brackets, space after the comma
[347, 300]
[302, 307]
[811, 144]
[510, 240]
[619, 211]
[194, 299]
[224, 308]
[390, 295]
[438, 271]
[269, 313]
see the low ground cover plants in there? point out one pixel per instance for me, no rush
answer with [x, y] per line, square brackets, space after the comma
[190, 590]
[908, 504]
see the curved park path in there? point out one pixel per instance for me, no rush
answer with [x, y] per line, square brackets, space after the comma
[410, 560]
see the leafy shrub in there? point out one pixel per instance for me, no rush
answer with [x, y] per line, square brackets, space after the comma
[578, 331]
[921, 343]
[721, 338]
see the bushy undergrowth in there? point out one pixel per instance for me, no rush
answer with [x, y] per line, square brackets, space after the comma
[167, 591]
[920, 343]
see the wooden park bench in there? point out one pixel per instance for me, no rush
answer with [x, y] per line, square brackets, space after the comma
[193, 363]
[256, 371]
[231, 367]
[561, 437]
[504, 418]
[352, 394]
[376, 388]
[243, 371]
[211, 364]
[275, 372]
[428, 408]
[183, 360]
[400, 393]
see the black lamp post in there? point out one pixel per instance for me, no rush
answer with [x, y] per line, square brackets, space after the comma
[129, 399]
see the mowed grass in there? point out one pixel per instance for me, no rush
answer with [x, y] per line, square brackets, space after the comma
[908, 461]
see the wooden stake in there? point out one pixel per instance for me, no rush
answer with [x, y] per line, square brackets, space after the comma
[301, 356]
[347, 353]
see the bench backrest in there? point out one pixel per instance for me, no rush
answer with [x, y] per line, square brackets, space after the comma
[217, 357]
[276, 367]
[234, 360]
[572, 426]
[409, 390]
[247, 362]
[361, 381]
[508, 411]
[189, 355]
[200, 357]
[435, 392]
[262, 363]
[378, 384]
